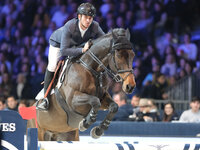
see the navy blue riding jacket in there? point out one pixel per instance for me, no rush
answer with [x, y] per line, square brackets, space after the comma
[68, 37]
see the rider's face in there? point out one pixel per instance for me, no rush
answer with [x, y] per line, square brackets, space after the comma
[85, 21]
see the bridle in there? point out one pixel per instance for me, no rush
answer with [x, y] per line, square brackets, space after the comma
[114, 75]
[117, 76]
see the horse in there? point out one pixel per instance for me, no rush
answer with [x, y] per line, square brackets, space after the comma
[84, 90]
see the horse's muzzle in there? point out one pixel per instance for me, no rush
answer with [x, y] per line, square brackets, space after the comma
[129, 88]
[129, 83]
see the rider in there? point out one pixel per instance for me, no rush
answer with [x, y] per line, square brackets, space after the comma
[66, 41]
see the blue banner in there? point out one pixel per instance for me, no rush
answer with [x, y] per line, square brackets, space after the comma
[12, 128]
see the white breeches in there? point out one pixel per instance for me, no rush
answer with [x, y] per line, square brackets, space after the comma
[53, 58]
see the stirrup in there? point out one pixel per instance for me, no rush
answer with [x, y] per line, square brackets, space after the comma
[44, 105]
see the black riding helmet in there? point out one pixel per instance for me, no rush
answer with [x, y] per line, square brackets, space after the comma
[87, 9]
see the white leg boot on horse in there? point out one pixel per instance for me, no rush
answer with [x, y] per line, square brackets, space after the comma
[44, 105]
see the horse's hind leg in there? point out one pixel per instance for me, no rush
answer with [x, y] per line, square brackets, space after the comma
[97, 131]
[94, 102]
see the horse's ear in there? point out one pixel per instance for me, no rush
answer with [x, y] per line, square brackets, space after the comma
[114, 35]
[128, 35]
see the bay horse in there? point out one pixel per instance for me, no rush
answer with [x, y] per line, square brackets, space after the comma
[84, 89]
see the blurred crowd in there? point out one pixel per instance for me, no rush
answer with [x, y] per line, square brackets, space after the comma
[146, 110]
[163, 33]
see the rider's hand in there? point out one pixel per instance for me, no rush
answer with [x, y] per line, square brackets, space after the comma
[86, 47]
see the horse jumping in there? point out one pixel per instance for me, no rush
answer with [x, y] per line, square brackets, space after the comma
[83, 92]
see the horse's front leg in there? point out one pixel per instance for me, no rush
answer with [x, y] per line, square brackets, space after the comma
[107, 103]
[84, 99]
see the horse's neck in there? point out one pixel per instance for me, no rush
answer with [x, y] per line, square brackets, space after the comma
[101, 52]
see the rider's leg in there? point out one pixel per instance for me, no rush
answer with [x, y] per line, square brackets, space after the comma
[47, 80]
[53, 58]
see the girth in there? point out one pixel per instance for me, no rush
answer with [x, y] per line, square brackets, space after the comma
[73, 118]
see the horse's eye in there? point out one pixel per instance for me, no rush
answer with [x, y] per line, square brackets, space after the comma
[119, 55]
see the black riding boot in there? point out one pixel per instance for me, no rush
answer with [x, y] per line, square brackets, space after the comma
[44, 105]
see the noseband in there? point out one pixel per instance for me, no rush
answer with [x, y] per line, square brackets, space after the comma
[114, 75]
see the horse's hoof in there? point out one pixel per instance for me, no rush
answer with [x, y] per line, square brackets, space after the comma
[81, 126]
[96, 132]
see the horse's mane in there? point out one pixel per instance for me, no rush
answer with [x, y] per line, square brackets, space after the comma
[116, 31]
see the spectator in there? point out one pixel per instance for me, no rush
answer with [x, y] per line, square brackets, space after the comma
[173, 10]
[182, 73]
[2, 103]
[181, 65]
[169, 68]
[189, 67]
[22, 88]
[142, 28]
[27, 44]
[124, 109]
[145, 113]
[108, 6]
[35, 38]
[135, 104]
[3, 59]
[26, 70]
[6, 85]
[3, 70]
[149, 54]
[187, 50]
[51, 28]
[110, 24]
[23, 52]
[153, 107]
[123, 7]
[171, 80]
[12, 103]
[17, 38]
[170, 50]
[156, 89]
[38, 78]
[169, 112]
[159, 18]
[56, 6]
[193, 114]
[71, 9]
[162, 42]
[41, 15]
[60, 16]
[138, 77]
[130, 19]
[142, 6]
[159, 86]
[23, 103]
[135, 100]
[120, 22]
[149, 77]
